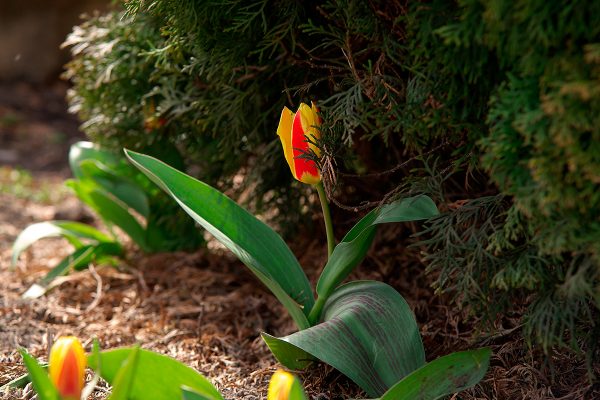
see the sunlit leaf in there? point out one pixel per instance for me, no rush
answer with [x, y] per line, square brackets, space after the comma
[43, 230]
[77, 260]
[157, 376]
[188, 393]
[252, 241]
[39, 377]
[122, 384]
[368, 333]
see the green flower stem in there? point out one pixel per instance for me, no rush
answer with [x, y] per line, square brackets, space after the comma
[315, 312]
[327, 217]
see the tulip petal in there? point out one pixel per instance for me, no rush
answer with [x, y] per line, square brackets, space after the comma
[304, 170]
[280, 385]
[67, 367]
[284, 130]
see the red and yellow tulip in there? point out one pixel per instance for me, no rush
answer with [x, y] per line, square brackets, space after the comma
[67, 367]
[297, 131]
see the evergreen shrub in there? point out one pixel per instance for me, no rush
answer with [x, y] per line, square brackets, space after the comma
[491, 107]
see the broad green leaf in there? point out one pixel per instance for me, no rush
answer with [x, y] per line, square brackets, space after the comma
[252, 241]
[42, 230]
[354, 246]
[39, 377]
[446, 375]
[118, 186]
[288, 354]
[126, 376]
[156, 375]
[368, 333]
[77, 260]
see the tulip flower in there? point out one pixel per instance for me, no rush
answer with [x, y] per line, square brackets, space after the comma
[296, 132]
[67, 367]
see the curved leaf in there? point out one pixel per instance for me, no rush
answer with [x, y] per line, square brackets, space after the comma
[122, 385]
[190, 394]
[39, 377]
[78, 260]
[368, 333]
[157, 376]
[252, 241]
[119, 186]
[42, 230]
[354, 246]
[446, 375]
[84, 150]
[112, 210]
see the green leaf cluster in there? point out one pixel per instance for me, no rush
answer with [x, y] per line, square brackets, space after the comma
[134, 373]
[366, 329]
[122, 197]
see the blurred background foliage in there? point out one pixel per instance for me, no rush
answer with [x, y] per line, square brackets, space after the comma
[492, 108]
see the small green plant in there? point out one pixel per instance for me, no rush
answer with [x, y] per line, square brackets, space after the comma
[135, 374]
[123, 198]
[365, 329]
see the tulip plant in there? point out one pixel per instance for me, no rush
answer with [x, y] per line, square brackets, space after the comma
[137, 374]
[121, 196]
[365, 329]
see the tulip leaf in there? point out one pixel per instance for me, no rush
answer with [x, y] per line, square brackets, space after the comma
[446, 375]
[39, 377]
[125, 377]
[258, 246]
[83, 150]
[67, 229]
[354, 246]
[368, 333]
[123, 189]
[155, 374]
[112, 210]
[296, 391]
[77, 260]
[188, 393]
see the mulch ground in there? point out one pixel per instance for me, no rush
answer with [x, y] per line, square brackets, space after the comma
[205, 308]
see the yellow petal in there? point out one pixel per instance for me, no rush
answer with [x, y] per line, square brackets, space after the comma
[284, 130]
[280, 385]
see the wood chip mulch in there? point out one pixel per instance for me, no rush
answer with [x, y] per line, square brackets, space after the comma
[207, 310]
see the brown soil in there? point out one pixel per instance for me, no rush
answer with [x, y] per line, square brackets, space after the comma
[206, 310]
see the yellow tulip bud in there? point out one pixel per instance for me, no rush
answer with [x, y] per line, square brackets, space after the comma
[67, 367]
[280, 385]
